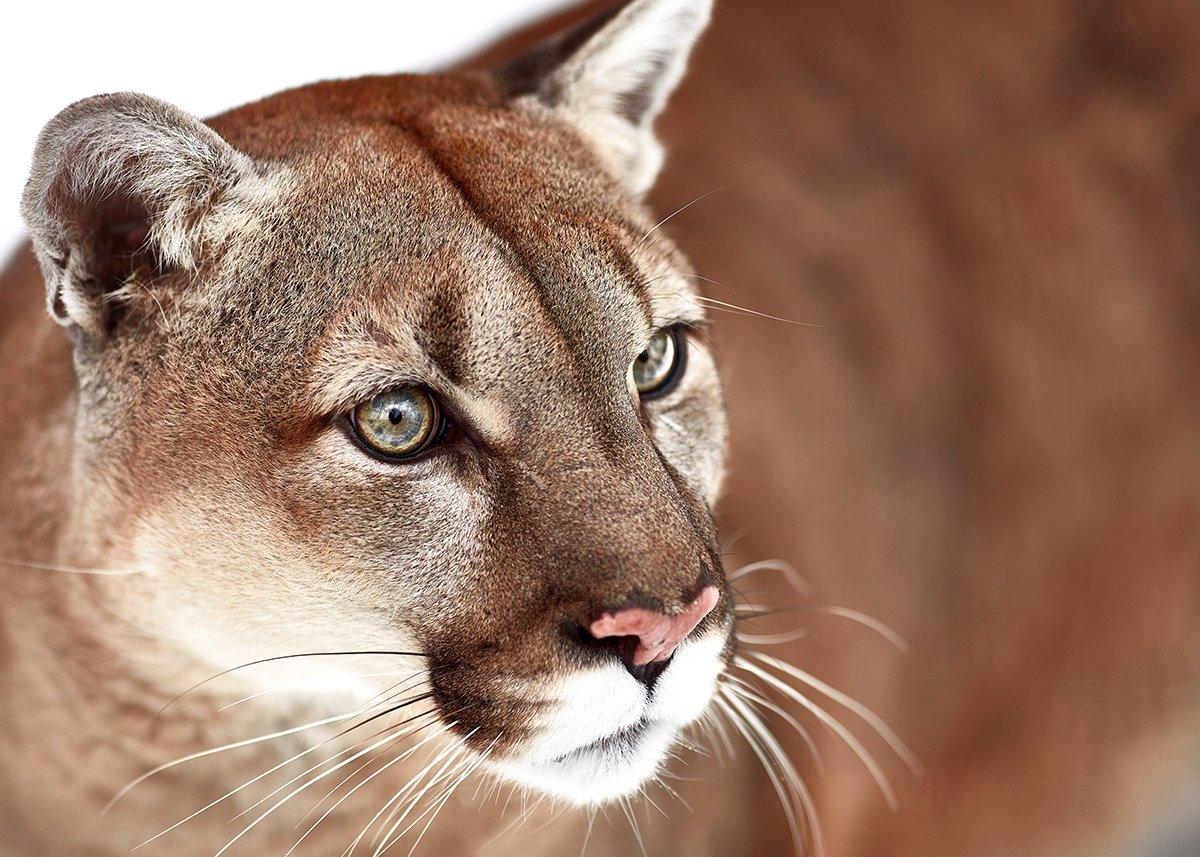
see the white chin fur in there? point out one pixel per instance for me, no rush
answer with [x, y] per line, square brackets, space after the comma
[608, 736]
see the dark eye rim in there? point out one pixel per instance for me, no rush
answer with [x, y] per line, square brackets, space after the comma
[435, 439]
[680, 341]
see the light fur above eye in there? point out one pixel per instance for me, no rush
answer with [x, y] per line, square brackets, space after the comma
[657, 369]
[398, 423]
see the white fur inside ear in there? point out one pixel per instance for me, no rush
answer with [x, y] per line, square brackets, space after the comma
[166, 167]
[615, 86]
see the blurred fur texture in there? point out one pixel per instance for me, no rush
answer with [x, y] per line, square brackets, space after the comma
[993, 440]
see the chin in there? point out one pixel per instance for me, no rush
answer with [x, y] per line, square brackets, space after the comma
[609, 734]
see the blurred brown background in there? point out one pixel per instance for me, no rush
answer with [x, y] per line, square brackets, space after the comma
[992, 439]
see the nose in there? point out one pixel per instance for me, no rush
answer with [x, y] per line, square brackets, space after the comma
[657, 635]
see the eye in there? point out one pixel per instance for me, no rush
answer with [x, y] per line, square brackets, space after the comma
[657, 368]
[397, 424]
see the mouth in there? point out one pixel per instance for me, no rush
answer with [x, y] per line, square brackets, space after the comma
[609, 735]
[603, 770]
[618, 743]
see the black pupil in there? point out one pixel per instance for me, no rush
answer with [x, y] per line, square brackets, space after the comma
[395, 416]
[644, 357]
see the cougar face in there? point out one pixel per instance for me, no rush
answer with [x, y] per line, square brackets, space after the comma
[403, 364]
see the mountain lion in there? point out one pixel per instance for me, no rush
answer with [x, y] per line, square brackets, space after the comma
[362, 449]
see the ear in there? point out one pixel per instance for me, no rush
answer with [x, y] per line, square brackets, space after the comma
[612, 77]
[122, 187]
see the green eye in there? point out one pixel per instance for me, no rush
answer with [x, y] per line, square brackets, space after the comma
[398, 423]
[660, 364]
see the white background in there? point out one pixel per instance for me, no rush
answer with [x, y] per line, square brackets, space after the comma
[209, 56]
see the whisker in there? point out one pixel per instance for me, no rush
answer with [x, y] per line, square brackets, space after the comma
[788, 570]
[867, 715]
[785, 792]
[266, 773]
[352, 748]
[300, 789]
[399, 758]
[772, 639]
[233, 746]
[681, 209]
[743, 689]
[707, 726]
[402, 686]
[517, 822]
[802, 794]
[637, 833]
[441, 801]
[403, 789]
[675, 274]
[734, 308]
[871, 622]
[292, 685]
[410, 701]
[587, 834]
[833, 723]
[74, 569]
[674, 794]
[452, 755]
[761, 609]
[642, 794]
[211, 678]
[719, 726]
[449, 770]
[301, 685]
[329, 794]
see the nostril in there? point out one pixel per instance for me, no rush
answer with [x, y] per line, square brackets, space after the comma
[657, 635]
[648, 674]
[624, 647]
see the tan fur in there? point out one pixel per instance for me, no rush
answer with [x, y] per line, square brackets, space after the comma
[989, 441]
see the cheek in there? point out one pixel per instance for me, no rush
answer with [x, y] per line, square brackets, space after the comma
[403, 534]
[690, 429]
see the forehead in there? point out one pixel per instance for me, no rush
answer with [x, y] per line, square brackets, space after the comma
[457, 232]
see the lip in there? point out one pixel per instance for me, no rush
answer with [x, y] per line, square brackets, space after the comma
[623, 739]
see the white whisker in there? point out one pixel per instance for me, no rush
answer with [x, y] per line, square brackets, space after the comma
[301, 685]
[867, 715]
[74, 569]
[399, 758]
[681, 209]
[416, 778]
[833, 723]
[637, 833]
[741, 310]
[381, 742]
[772, 639]
[788, 570]
[340, 718]
[447, 793]
[587, 835]
[453, 754]
[332, 758]
[871, 622]
[743, 689]
[785, 788]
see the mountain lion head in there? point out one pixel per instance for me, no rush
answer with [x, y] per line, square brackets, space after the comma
[403, 365]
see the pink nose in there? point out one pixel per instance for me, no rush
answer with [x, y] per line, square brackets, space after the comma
[658, 634]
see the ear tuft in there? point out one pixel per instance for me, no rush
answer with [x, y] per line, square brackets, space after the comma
[120, 185]
[613, 76]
